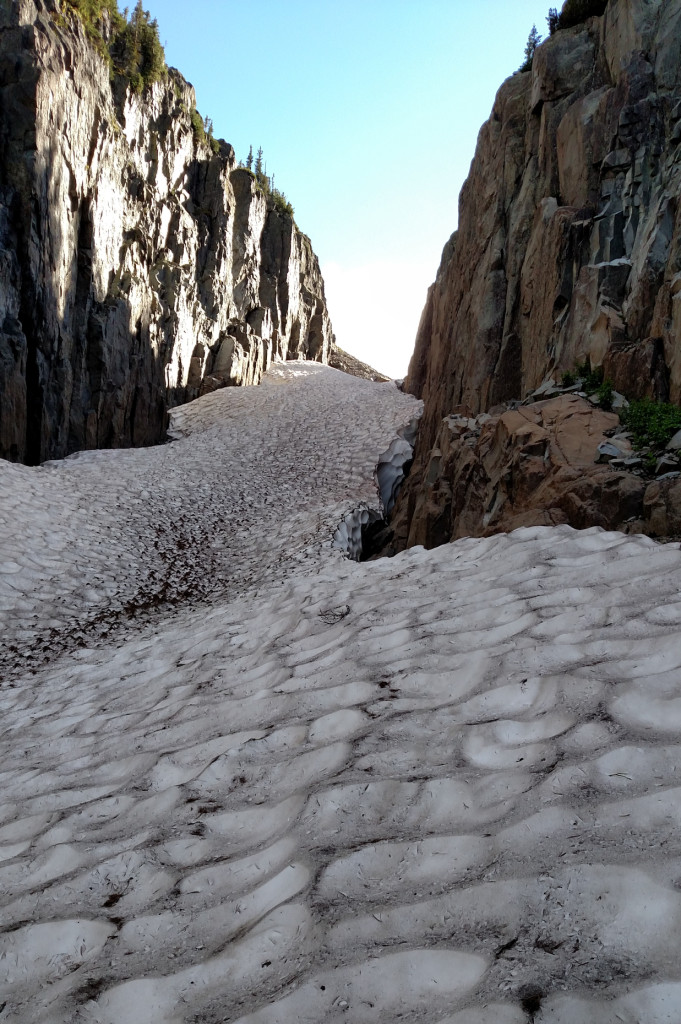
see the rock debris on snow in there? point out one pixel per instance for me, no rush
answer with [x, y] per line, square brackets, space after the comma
[245, 778]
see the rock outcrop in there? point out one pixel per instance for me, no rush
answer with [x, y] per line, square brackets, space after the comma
[138, 267]
[569, 236]
[342, 360]
[544, 464]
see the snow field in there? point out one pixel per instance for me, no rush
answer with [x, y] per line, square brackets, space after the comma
[253, 485]
[437, 788]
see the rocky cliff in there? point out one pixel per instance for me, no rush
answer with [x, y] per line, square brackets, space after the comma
[138, 266]
[569, 236]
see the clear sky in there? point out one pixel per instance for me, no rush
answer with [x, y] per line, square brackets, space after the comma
[368, 113]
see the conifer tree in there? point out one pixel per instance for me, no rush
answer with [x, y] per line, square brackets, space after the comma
[249, 159]
[533, 41]
[137, 51]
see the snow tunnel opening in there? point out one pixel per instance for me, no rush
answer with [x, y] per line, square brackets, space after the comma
[365, 532]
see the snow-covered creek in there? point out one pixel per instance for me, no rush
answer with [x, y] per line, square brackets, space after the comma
[247, 779]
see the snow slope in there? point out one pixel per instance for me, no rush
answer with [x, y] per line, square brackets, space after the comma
[246, 779]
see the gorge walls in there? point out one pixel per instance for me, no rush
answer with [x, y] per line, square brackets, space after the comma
[569, 237]
[139, 266]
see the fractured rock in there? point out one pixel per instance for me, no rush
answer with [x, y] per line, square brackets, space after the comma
[138, 267]
[618, 448]
[568, 243]
[525, 467]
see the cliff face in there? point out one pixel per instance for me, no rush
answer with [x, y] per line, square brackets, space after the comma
[569, 238]
[138, 268]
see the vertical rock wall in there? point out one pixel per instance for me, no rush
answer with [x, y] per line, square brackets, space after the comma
[569, 236]
[138, 268]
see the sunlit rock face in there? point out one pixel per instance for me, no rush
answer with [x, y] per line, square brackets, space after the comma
[569, 240]
[139, 268]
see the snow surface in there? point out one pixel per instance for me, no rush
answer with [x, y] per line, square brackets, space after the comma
[247, 779]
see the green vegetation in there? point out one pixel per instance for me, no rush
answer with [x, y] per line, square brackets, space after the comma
[591, 379]
[203, 130]
[92, 12]
[136, 50]
[281, 203]
[533, 41]
[197, 125]
[604, 394]
[258, 171]
[652, 424]
[650, 461]
[574, 12]
[132, 48]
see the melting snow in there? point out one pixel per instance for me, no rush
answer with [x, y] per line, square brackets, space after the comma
[247, 779]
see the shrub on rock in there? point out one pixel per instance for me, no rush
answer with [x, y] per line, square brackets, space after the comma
[574, 12]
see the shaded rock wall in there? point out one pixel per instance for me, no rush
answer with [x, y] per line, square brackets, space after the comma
[138, 268]
[569, 237]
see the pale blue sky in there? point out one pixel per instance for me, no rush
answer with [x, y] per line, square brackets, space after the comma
[368, 113]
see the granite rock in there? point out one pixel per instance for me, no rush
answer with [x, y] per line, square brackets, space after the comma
[530, 466]
[569, 235]
[139, 267]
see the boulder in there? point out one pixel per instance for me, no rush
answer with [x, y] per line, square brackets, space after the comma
[662, 508]
[533, 465]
